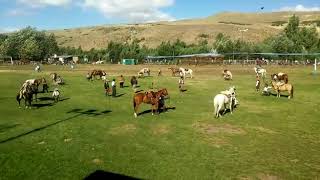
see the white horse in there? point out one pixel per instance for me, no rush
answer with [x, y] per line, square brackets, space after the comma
[144, 72]
[223, 99]
[184, 72]
[260, 72]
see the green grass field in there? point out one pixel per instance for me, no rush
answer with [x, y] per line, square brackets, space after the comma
[265, 138]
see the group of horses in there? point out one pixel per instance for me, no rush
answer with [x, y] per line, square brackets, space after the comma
[30, 89]
[225, 100]
[280, 83]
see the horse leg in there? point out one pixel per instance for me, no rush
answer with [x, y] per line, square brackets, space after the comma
[135, 107]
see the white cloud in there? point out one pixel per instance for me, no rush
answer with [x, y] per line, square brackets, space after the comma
[299, 8]
[44, 3]
[8, 29]
[18, 12]
[132, 10]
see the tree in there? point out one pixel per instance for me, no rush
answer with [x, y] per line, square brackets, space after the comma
[30, 50]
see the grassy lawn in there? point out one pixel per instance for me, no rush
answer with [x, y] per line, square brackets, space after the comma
[265, 138]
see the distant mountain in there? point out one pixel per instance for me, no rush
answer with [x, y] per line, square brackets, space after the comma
[259, 25]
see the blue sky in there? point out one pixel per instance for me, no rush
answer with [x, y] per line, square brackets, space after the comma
[59, 14]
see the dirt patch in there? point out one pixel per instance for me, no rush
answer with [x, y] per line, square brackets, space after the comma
[5, 71]
[219, 129]
[124, 129]
[97, 161]
[262, 176]
[160, 129]
[263, 130]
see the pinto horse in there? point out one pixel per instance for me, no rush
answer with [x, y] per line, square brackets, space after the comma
[184, 72]
[278, 87]
[148, 98]
[175, 71]
[260, 72]
[26, 93]
[227, 75]
[280, 77]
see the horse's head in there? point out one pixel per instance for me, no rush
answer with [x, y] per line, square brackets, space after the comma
[232, 90]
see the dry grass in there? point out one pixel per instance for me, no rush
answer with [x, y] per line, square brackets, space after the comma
[186, 30]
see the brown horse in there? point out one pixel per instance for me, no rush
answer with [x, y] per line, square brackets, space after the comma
[280, 77]
[95, 73]
[175, 71]
[147, 98]
[278, 87]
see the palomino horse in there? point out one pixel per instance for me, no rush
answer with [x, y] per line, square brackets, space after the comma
[278, 87]
[143, 72]
[94, 73]
[260, 72]
[227, 75]
[175, 71]
[184, 72]
[147, 98]
[223, 99]
[26, 93]
[280, 77]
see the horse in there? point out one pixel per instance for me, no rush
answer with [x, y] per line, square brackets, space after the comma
[280, 77]
[56, 95]
[160, 96]
[37, 68]
[224, 98]
[227, 75]
[144, 71]
[184, 72]
[260, 72]
[95, 73]
[175, 71]
[278, 87]
[148, 98]
[53, 76]
[59, 81]
[26, 93]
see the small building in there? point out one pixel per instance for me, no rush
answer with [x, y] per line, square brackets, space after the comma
[129, 62]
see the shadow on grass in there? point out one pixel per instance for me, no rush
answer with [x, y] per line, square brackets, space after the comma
[41, 105]
[160, 111]
[281, 95]
[100, 174]
[77, 112]
[4, 127]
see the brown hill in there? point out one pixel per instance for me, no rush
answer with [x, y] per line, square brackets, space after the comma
[259, 25]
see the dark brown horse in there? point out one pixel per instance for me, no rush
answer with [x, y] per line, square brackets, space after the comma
[280, 77]
[94, 73]
[148, 98]
[175, 71]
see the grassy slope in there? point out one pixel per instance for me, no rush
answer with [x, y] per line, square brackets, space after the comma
[266, 137]
[186, 30]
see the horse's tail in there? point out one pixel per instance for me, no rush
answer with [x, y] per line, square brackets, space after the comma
[291, 92]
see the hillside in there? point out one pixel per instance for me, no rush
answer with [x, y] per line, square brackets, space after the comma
[259, 25]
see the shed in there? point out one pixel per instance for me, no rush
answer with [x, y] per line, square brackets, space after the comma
[129, 62]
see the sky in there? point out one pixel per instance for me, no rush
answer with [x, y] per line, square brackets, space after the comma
[61, 14]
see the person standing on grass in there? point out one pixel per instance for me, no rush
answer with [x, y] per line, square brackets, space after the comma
[181, 83]
[257, 84]
[113, 86]
[106, 87]
[121, 81]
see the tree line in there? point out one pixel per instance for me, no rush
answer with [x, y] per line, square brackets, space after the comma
[31, 44]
